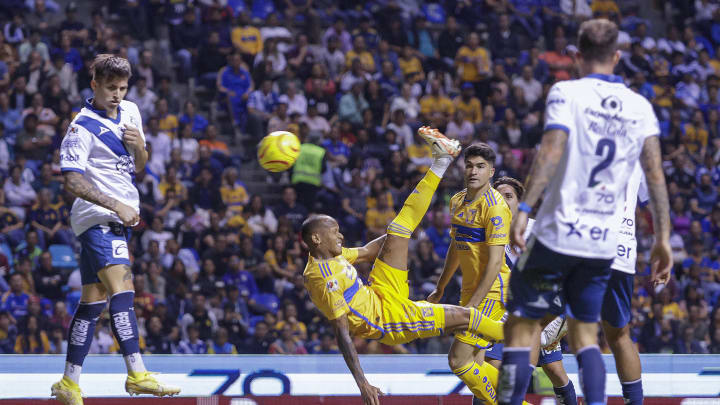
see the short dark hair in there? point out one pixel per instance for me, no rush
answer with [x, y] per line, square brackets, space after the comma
[108, 66]
[310, 226]
[512, 182]
[597, 40]
[481, 149]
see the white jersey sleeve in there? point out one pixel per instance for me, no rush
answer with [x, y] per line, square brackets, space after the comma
[558, 114]
[75, 149]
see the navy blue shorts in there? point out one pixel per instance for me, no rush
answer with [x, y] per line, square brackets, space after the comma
[495, 352]
[102, 246]
[546, 357]
[549, 356]
[618, 299]
[545, 281]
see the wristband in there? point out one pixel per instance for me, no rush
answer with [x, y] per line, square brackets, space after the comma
[524, 207]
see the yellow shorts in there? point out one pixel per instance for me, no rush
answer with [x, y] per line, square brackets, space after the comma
[490, 308]
[403, 320]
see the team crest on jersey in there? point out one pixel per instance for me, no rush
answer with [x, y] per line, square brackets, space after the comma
[427, 312]
[497, 222]
[332, 285]
[125, 164]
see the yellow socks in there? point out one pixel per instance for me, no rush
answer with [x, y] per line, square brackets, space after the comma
[415, 206]
[485, 327]
[481, 379]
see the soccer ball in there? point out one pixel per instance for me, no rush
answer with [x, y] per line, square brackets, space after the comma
[278, 151]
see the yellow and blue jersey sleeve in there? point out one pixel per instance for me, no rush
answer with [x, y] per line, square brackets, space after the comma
[350, 254]
[497, 223]
[325, 288]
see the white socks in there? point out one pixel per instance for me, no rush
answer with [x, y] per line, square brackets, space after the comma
[440, 165]
[134, 363]
[72, 371]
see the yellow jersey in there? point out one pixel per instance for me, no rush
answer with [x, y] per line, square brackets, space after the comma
[336, 290]
[468, 68]
[247, 39]
[476, 225]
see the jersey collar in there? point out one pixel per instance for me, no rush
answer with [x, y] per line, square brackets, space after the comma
[102, 113]
[604, 77]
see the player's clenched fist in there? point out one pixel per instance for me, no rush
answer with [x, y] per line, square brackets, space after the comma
[127, 214]
[132, 138]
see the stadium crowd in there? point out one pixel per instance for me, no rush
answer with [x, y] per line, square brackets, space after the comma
[219, 270]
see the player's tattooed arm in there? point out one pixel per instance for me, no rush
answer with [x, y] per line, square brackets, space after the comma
[545, 165]
[78, 186]
[370, 251]
[347, 348]
[651, 161]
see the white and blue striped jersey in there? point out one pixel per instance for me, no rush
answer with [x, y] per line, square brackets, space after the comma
[635, 192]
[607, 124]
[93, 146]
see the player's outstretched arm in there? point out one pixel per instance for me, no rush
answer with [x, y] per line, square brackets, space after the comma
[369, 393]
[496, 256]
[661, 254]
[543, 169]
[370, 251]
[452, 261]
[78, 186]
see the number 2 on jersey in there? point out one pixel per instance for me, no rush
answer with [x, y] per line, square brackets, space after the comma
[608, 144]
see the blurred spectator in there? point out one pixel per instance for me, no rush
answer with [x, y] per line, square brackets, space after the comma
[286, 344]
[193, 344]
[8, 332]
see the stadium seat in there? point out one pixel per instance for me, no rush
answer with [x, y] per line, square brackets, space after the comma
[5, 249]
[63, 256]
[269, 301]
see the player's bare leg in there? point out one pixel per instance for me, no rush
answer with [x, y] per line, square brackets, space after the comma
[627, 361]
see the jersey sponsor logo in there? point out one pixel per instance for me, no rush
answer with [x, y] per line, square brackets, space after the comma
[125, 164]
[120, 249]
[332, 285]
[497, 222]
[69, 158]
[555, 101]
[497, 235]
[612, 103]
[624, 251]
[576, 229]
[71, 142]
[103, 130]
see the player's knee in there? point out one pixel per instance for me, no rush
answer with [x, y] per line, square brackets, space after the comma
[455, 360]
[617, 337]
